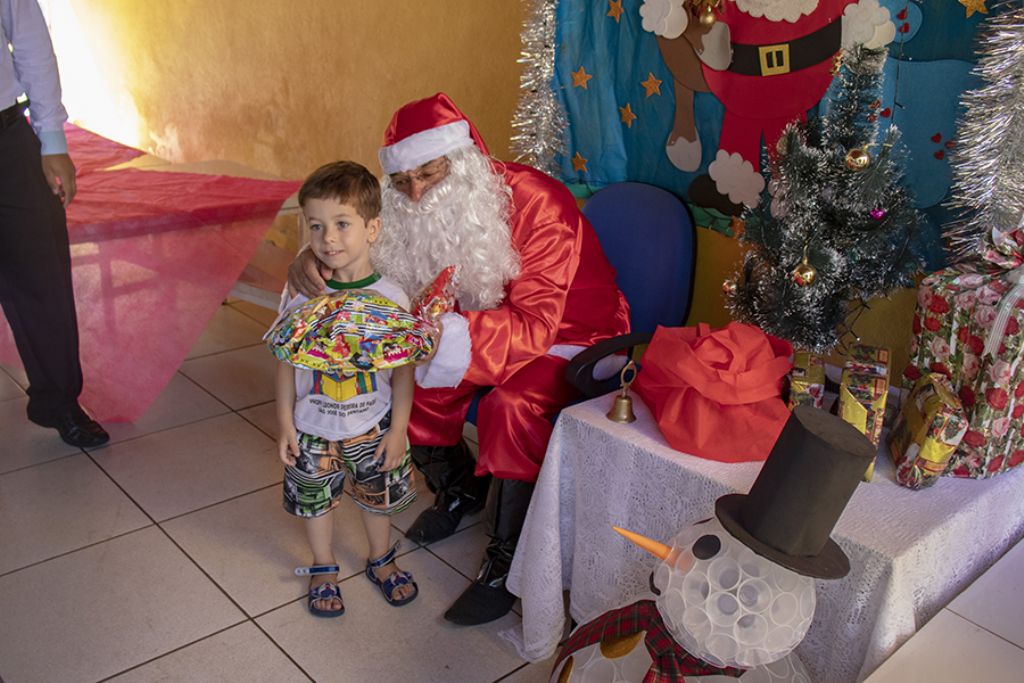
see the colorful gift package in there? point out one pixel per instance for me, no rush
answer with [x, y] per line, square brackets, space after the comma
[968, 326]
[348, 332]
[930, 427]
[863, 392]
[807, 380]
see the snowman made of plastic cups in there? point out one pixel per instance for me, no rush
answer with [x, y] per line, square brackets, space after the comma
[734, 594]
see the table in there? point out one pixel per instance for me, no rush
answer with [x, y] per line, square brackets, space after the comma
[910, 552]
[155, 248]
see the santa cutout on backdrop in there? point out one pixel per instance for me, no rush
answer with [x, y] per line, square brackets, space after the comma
[767, 61]
[734, 595]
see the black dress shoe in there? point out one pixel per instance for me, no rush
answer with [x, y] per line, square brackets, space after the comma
[76, 428]
[481, 603]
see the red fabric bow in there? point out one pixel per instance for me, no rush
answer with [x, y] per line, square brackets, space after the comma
[716, 393]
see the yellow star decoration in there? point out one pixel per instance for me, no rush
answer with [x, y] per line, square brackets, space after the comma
[627, 115]
[580, 78]
[973, 6]
[652, 85]
[615, 10]
[579, 163]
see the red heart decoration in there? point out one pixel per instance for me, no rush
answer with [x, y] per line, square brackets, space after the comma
[886, 113]
[937, 138]
[950, 144]
[904, 28]
[902, 15]
[940, 155]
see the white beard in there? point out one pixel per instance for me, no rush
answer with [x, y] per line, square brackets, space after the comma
[462, 221]
[777, 10]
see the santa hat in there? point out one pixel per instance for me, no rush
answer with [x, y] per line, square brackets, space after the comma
[425, 130]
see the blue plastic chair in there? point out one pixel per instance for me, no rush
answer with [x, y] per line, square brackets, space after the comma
[648, 236]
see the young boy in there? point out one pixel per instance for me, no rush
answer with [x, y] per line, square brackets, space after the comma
[330, 424]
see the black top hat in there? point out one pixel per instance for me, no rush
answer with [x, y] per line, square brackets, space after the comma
[801, 491]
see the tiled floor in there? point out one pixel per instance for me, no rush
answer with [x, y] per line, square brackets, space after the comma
[165, 555]
[978, 637]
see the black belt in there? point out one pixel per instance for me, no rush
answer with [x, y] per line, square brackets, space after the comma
[782, 58]
[11, 115]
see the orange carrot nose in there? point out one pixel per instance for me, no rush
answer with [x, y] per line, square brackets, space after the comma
[659, 550]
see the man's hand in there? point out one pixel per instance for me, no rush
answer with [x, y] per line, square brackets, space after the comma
[307, 275]
[60, 175]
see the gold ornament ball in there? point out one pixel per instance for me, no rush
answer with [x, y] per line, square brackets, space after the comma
[857, 159]
[729, 287]
[707, 17]
[804, 274]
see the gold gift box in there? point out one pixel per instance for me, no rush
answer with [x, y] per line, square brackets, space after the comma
[930, 427]
[863, 392]
[807, 380]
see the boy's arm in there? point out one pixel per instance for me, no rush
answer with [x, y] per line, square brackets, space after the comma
[402, 384]
[392, 448]
[287, 439]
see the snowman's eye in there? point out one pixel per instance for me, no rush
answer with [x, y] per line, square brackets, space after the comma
[706, 547]
[654, 589]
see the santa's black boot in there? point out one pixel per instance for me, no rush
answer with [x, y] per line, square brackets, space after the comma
[487, 599]
[449, 473]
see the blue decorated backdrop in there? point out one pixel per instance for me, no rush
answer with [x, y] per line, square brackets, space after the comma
[620, 98]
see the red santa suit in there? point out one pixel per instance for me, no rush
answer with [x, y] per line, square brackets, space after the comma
[778, 71]
[564, 296]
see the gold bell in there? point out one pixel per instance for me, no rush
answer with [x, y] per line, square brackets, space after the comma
[622, 409]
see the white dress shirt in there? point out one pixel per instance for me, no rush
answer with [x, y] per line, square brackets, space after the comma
[31, 69]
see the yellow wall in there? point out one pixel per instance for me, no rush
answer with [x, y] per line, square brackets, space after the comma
[285, 85]
[281, 85]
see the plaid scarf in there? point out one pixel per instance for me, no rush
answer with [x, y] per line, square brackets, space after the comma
[671, 663]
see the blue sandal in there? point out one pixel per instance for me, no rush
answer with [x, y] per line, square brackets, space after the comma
[327, 590]
[396, 579]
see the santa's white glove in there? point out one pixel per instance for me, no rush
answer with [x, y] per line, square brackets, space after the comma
[665, 18]
[448, 365]
[867, 23]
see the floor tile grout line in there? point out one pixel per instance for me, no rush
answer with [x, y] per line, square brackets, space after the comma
[227, 411]
[512, 672]
[250, 317]
[219, 502]
[281, 648]
[221, 352]
[75, 550]
[983, 628]
[170, 652]
[201, 387]
[45, 462]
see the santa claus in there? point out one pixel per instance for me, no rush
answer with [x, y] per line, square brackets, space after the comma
[768, 62]
[534, 288]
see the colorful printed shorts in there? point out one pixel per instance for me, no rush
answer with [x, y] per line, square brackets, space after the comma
[314, 485]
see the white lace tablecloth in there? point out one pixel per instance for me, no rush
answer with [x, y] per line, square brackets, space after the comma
[911, 552]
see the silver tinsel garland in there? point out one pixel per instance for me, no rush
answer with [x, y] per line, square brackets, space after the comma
[539, 123]
[988, 166]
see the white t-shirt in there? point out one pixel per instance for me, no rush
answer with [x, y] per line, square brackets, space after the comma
[335, 407]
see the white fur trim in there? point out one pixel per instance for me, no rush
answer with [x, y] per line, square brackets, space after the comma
[427, 145]
[451, 360]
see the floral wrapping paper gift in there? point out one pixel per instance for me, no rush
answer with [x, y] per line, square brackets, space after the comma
[968, 326]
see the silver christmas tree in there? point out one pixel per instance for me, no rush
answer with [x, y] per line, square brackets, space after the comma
[836, 226]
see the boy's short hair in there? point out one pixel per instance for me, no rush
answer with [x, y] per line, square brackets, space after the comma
[346, 182]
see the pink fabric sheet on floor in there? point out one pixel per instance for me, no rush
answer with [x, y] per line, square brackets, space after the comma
[154, 253]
